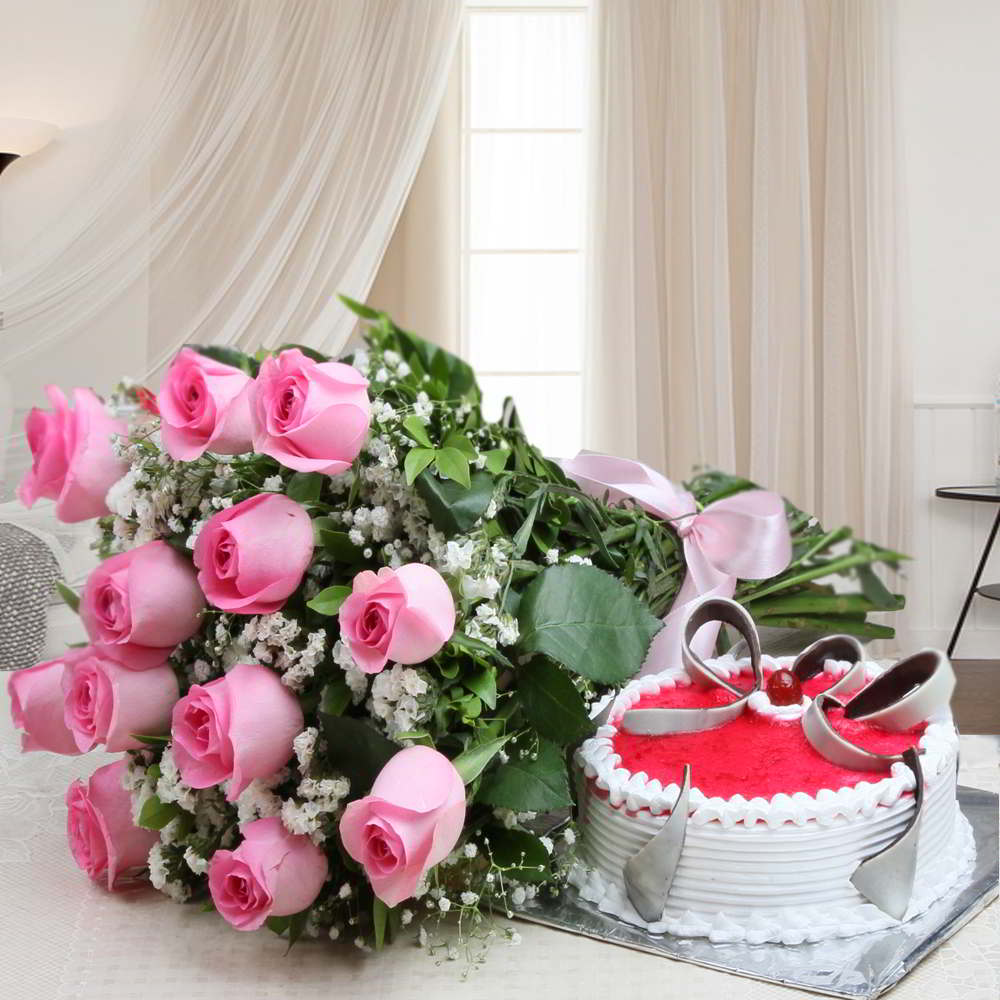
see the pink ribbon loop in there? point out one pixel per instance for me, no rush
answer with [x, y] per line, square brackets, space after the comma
[744, 536]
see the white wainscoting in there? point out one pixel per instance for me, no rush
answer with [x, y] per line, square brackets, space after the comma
[953, 446]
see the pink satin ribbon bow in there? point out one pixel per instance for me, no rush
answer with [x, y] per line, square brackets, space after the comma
[744, 536]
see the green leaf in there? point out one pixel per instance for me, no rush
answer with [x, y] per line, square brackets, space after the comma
[453, 509]
[452, 464]
[478, 648]
[552, 704]
[305, 487]
[417, 459]
[521, 853]
[328, 601]
[527, 785]
[523, 534]
[496, 460]
[876, 591]
[336, 697]
[483, 682]
[817, 623]
[294, 925]
[69, 595]
[470, 763]
[380, 917]
[458, 441]
[338, 543]
[227, 356]
[414, 426]
[309, 352]
[152, 741]
[155, 815]
[356, 749]
[365, 312]
[586, 620]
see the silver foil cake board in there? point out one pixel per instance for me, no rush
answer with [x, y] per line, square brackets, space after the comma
[862, 966]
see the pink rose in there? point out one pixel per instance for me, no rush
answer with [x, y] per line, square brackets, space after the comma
[239, 727]
[72, 461]
[107, 703]
[36, 706]
[310, 416]
[273, 873]
[405, 615]
[102, 837]
[251, 557]
[204, 407]
[139, 605]
[409, 822]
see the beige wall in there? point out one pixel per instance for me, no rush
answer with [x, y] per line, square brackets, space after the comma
[949, 82]
[63, 61]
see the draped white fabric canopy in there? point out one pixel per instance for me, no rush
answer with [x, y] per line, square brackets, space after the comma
[259, 166]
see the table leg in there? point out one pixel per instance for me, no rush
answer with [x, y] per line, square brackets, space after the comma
[975, 583]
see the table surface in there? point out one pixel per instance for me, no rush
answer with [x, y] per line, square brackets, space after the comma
[66, 939]
[983, 494]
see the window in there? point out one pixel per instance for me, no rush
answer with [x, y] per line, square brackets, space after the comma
[522, 212]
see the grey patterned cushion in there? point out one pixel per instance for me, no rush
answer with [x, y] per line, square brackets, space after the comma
[28, 574]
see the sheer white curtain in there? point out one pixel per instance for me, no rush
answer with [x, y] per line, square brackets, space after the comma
[259, 167]
[743, 305]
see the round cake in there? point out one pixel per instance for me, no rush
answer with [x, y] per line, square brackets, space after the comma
[774, 830]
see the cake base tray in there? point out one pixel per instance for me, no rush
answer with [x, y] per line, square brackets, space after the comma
[862, 966]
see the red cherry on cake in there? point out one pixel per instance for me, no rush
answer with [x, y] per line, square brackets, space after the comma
[783, 688]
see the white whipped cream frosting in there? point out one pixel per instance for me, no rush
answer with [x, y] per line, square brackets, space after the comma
[767, 870]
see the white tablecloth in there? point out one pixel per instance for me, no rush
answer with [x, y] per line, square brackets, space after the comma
[63, 937]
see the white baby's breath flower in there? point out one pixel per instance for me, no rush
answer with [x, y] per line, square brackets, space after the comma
[444, 904]
[469, 898]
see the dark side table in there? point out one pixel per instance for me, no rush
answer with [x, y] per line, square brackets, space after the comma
[977, 494]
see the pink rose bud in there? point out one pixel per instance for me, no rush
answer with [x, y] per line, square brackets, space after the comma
[36, 706]
[72, 461]
[204, 407]
[273, 873]
[310, 416]
[107, 703]
[139, 605]
[251, 558]
[238, 727]
[405, 615]
[410, 821]
[102, 837]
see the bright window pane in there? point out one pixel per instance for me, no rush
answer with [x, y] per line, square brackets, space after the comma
[526, 70]
[525, 192]
[549, 407]
[525, 312]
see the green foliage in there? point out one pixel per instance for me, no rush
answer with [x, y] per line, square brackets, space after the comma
[537, 782]
[305, 487]
[521, 853]
[155, 815]
[229, 356]
[356, 749]
[552, 704]
[69, 595]
[455, 508]
[587, 621]
[471, 762]
[328, 601]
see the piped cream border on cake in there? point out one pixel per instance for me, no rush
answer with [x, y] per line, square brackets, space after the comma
[600, 764]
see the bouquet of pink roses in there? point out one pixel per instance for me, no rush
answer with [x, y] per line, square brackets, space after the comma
[346, 630]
